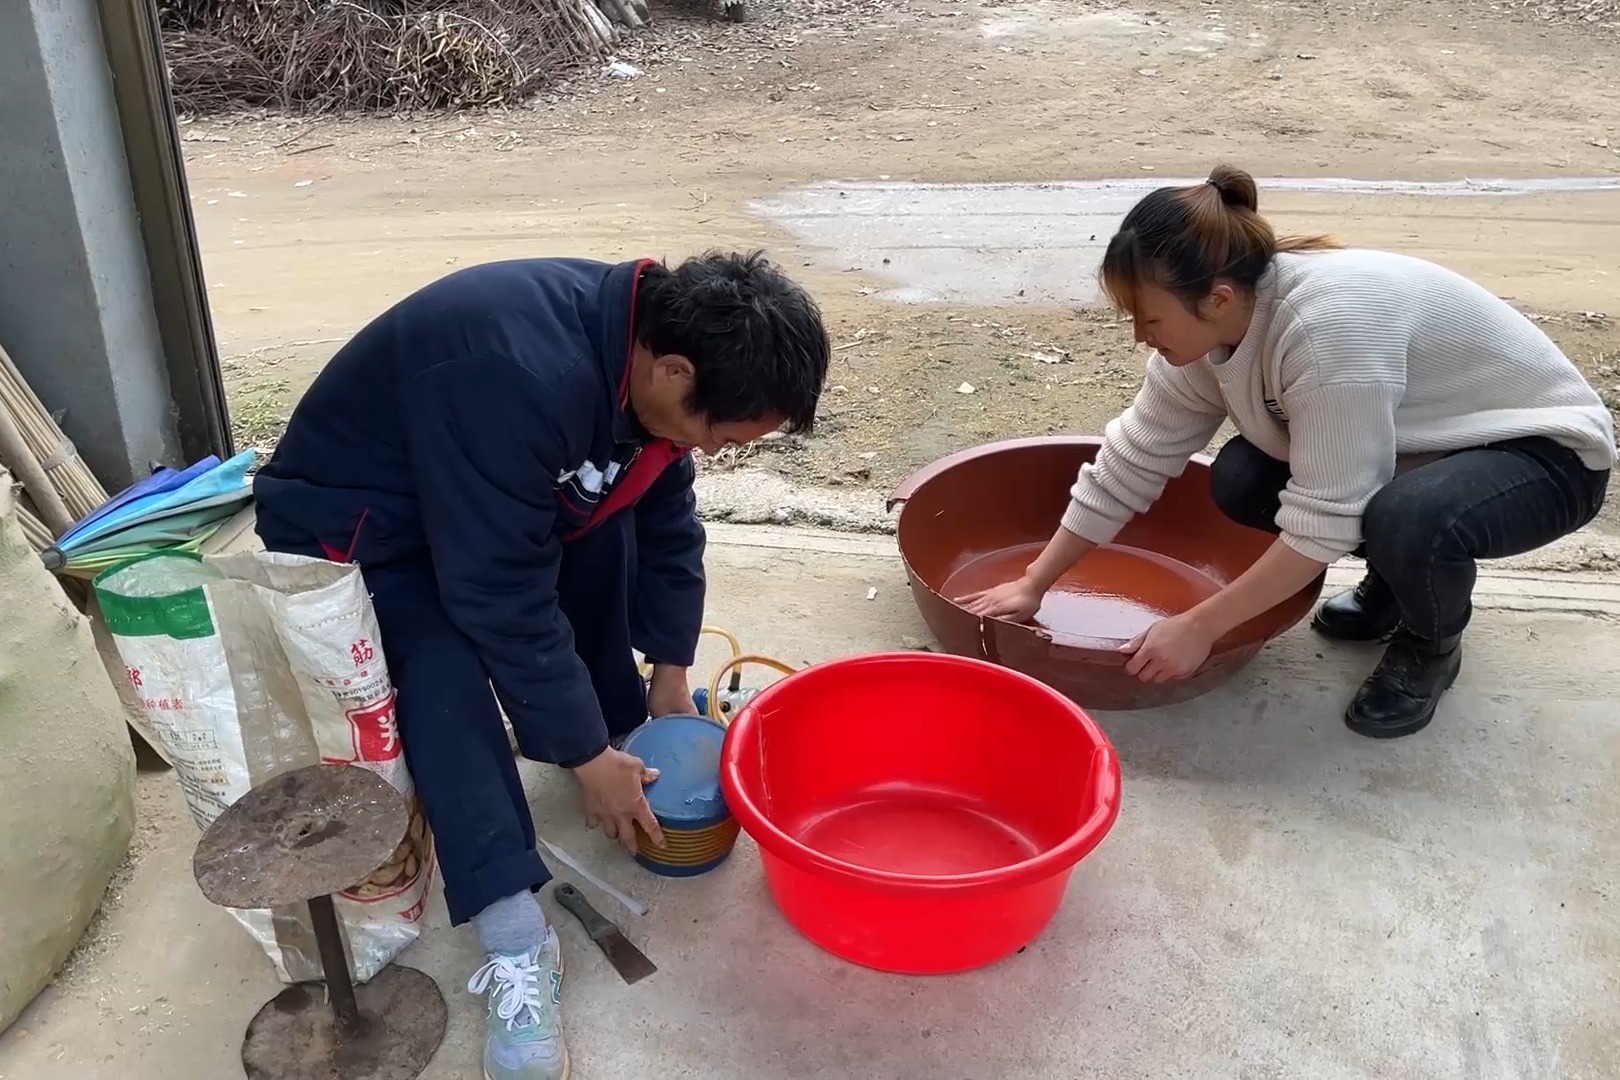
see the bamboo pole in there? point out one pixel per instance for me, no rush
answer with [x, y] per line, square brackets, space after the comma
[39, 537]
[20, 460]
[78, 487]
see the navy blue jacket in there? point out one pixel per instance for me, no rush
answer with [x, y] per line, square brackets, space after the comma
[482, 423]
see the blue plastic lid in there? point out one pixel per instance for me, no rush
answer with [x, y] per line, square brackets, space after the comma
[686, 752]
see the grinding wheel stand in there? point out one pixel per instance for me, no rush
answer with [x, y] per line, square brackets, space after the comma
[297, 839]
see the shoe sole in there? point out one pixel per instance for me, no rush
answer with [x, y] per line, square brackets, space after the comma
[1349, 639]
[567, 1067]
[1411, 727]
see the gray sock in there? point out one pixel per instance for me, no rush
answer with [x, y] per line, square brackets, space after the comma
[511, 926]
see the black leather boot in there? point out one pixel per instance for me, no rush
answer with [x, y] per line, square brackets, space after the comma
[1400, 696]
[1366, 613]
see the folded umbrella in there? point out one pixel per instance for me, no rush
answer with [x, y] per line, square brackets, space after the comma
[168, 511]
[221, 478]
[162, 480]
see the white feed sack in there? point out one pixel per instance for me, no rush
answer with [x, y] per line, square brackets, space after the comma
[252, 665]
[67, 774]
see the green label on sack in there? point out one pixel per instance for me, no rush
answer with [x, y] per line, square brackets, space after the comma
[147, 609]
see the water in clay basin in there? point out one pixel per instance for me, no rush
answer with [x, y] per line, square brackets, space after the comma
[997, 244]
[1114, 593]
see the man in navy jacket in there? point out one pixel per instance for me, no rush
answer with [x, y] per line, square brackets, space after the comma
[506, 455]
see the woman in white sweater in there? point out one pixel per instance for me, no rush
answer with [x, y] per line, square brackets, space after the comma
[1385, 407]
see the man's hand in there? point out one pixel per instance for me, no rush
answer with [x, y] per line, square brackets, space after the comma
[613, 782]
[669, 693]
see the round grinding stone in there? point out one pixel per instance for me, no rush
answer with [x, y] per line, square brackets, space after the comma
[303, 834]
[686, 752]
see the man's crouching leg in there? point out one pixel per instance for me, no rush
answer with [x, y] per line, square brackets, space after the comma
[456, 744]
[595, 589]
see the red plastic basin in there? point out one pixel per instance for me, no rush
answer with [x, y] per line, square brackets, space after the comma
[918, 813]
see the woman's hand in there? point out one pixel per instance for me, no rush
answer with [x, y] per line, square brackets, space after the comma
[1016, 601]
[1171, 648]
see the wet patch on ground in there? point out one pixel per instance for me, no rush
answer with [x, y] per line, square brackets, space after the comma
[1039, 244]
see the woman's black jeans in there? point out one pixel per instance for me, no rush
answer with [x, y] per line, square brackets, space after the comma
[1423, 531]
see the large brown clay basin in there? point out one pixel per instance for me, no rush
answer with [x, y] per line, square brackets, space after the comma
[977, 518]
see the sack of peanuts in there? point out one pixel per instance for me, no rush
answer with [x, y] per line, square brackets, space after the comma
[249, 666]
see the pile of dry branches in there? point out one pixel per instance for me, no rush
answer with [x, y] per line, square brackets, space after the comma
[372, 55]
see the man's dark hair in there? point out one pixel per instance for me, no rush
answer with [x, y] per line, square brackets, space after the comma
[755, 338]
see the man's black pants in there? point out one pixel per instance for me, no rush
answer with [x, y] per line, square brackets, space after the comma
[452, 731]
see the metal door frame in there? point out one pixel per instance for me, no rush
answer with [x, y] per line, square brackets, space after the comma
[157, 176]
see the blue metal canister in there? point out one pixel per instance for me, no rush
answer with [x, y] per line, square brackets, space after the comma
[699, 831]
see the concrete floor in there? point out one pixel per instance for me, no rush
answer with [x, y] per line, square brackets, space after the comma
[1280, 898]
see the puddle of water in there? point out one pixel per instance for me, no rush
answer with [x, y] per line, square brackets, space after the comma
[995, 244]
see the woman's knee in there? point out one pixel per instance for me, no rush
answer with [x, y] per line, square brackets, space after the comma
[1245, 483]
[1402, 519]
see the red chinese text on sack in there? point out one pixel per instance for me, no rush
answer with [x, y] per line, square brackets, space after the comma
[375, 732]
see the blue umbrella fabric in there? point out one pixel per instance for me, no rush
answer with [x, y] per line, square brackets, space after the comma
[169, 510]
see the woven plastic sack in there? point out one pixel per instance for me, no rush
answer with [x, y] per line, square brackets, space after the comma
[67, 775]
[255, 664]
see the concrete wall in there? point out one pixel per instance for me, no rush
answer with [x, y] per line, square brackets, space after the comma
[76, 309]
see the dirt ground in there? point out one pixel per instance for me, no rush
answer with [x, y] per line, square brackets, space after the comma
[312, 227]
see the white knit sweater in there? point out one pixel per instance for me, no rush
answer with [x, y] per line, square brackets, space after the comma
[1352, 359]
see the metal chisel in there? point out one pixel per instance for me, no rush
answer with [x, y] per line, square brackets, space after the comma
[630, 962]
